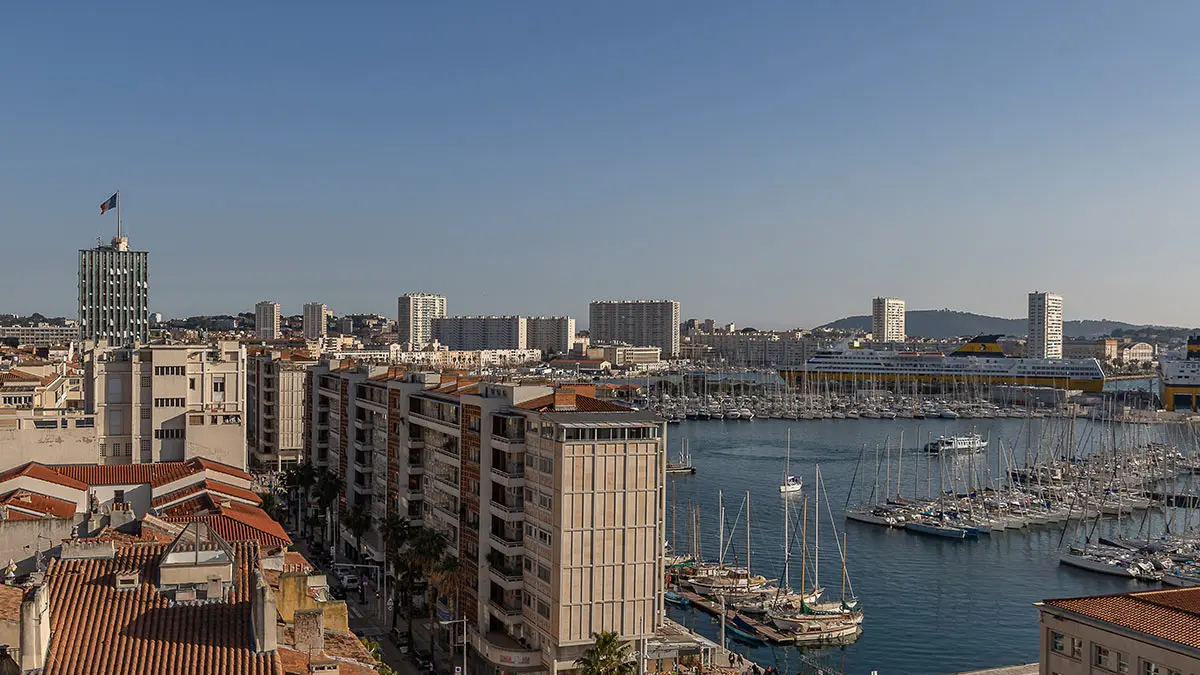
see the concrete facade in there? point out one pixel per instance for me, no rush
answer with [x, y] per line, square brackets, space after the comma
[114, 293]
[551, 334]
[640, 323]
[415, 313]
[470, 333]
[887, 320]
[276, 403]
[1045, 332]
[266, 320]
[315, 327]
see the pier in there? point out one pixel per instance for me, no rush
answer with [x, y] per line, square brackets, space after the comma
[765, 629]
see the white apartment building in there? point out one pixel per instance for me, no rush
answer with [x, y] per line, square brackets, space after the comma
[276, 403]
[41, 335]
[266, 320]
[114, 293]
[554, 501]
[167, 403]
[640, 323]
[551, 334]
[414, 317]
[315, 327]
[470, 333]
[887, 320]
[765, 349]
[1045, 338]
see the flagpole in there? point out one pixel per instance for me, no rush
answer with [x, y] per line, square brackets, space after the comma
[118, 214]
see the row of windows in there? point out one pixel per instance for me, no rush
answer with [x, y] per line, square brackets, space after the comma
[542, 499]
[170, 370]
[170, 402]
[544, 536]
[538, 463]
[168, 433]
[611, 434]
[1102, 657]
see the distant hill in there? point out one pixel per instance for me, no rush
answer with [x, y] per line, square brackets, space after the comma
[945, 323]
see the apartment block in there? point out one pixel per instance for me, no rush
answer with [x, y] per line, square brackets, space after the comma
[468, 333]
[415, 313]
[167, 403]
[1045, 338]
[266, 320]
[551, 334]
[315, 327]
[41, 335]
[114, 293]
[887, 320]
[277, 392]
[552, 499]
[640, 323]
[764, 349]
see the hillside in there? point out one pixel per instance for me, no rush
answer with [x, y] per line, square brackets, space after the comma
[945, 323]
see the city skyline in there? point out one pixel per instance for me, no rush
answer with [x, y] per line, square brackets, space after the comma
[1023, 142]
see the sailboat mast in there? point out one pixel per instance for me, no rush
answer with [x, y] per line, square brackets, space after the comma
[747, 539]
[843, 568]
[720, 529]
[899, 463]
[817, 531]
[804, 545]
[786, 544]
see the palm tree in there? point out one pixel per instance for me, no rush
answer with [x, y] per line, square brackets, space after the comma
[272, 505]
[410, 564]
[446, 577]
[328, 487]
[358, 519]
[302, 479]
[427, 548]
[395, 532]
[607, 657]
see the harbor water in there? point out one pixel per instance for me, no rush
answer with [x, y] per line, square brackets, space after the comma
[932, 605]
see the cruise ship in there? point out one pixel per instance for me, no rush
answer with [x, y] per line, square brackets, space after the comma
[980, 361]
[1180, 379]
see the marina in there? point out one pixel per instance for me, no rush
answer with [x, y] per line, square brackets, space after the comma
[953, 578]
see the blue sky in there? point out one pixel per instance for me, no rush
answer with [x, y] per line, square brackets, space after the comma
[769, 163]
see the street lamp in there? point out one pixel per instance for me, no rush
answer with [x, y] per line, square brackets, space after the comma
[463, 621]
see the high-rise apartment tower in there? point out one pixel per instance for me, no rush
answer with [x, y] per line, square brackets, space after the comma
[641, 323]
[1045, 338]
[887, 319]
[415, 313]
[114, 293]
[266, 320]
[314, 321]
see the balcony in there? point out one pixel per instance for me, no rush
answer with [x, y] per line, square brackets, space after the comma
[506, 577]
[447, 427]
[448, 482]
[365, 425]
[446, 510]
[513, 470]
[363, 488]
[509, 510]
[415, 444]
[507, 609]
[508, 444]
[504, 652]
[363, 465]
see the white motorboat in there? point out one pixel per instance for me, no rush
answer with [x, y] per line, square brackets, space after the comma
[790, 483]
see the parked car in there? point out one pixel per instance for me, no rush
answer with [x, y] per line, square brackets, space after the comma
[348, 580]
[421, 660]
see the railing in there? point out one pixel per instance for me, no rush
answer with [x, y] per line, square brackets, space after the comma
[510, 471]
[506, 573]
[503, 608]
[446, 510]
[510, 441]
[447, 481]
[517, 507]
[510, 541]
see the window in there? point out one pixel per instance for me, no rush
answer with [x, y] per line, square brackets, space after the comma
[169, 370]
[543, 573]
[145, 413]
[1112, 661]
[543, 609]
[1058, 642]
[219, 384]
[545, 501]
[1076, 648]
[145, 445]
[163, 434]
[103, 449]
[528, 564]
[145, 381]
[118, 496]
[1151, 668]
[192, 383]
[169, 402]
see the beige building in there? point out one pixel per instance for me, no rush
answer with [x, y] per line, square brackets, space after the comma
[276, 403]
[266, 320]
[620, 356]
[764, 349]
[315, 326]
[41, 335]
[1144, 633]
[1045, 332]
[1102, 349]
[552, 499]
[1137, 353]
[167, 403]
[415, 313]
[641, 323]
[551, 334]
[887, 320]
[469, 333]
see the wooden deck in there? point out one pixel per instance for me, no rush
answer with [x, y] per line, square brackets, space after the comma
[765, 629]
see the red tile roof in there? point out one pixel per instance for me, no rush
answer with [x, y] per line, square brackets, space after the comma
[582, 404]
[238, 522]
[1172, 614]
[10, 603]
[125, 474]
[210, 486]
[40, 472]
[98, 630]
[210, 465]
[24, 502]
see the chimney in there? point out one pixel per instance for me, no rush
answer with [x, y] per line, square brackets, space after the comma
[564, 399]
[35, 628]
[263, 615]
[308, 626]
[121, 518]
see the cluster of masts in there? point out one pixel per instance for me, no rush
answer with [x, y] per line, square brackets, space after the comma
[832, 406]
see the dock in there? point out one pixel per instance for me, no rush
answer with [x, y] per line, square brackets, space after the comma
[766, 630]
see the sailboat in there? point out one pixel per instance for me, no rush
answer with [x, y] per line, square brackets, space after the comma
[811, 620]
[684, 465]
[728, 581]
[790, 483]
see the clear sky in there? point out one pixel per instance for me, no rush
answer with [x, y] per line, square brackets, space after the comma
[770, 163]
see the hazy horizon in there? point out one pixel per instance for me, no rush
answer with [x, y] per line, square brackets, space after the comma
[773, 164]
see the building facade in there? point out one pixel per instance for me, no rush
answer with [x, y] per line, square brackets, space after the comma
[470, 333]
[276, 405]
[1137, 353]
[766, 349]
[640, 323]
[552, 499]
[114, 293]
[315, 327]
[266, 320]
[1147, 633]
[414, 317]
[551, 334]
[41, 335]
[1103, 349]
[1045, 338]
[167, 403]
[887, 320]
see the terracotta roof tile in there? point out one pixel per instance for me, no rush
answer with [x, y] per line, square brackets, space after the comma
[210, 465]
[239, 522]
[10, 603]
[41, 472]
[156, 474]
[210, 486]
[1172, 614]
[98, 630]
[582, 404]
[26, 502]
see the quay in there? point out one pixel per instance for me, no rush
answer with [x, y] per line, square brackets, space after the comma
[766, 630]
[1027, 669]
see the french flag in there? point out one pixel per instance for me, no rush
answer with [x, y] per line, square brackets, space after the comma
[110, 203]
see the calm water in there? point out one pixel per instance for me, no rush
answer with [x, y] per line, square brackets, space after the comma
[932, 605]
